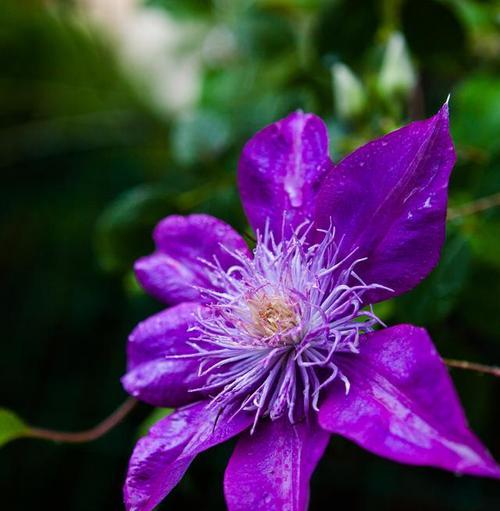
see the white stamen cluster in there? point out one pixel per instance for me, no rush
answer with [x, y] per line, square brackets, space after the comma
[275, 323]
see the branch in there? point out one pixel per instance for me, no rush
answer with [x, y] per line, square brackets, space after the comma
[472, 366]
[476, 206]
[90, 434]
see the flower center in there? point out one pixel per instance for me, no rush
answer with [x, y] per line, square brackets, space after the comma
[274, 318]
[277, 323]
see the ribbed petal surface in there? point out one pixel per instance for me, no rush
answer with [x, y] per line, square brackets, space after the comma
[402, 405]
[280, 170]
[270, 469]
[160, 458]
[151, 376]
[175, 270]
[388, 201]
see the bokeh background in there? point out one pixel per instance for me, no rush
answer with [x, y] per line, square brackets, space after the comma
[116, 113]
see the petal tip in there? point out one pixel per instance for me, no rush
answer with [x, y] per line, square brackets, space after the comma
[444, 111]
[127, 387]
[140, 266]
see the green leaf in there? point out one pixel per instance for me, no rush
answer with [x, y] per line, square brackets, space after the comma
[187, 8]
[345, 32]
[476, 113]
[199, 136]
[264, 35]
[436, 36]
[153, 418]
[485, 242]
[479, 307]
[435, 298]
[384, 310]
[11, 426]
[123, 232]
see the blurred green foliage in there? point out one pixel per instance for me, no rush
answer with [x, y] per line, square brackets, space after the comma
[104, 131]
[11, 426]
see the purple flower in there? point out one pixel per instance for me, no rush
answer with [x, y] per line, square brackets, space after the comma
[280, 345]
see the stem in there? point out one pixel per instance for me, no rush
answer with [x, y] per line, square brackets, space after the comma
[472, 366]
[90, 434]
[476, 206]
[129, 404]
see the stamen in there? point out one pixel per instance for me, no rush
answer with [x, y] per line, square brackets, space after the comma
[276, 324]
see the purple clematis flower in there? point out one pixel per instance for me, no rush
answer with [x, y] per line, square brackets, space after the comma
[280, 345]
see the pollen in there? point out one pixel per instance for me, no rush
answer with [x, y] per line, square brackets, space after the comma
[273, 318]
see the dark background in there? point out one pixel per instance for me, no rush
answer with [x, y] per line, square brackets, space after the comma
[103, 132]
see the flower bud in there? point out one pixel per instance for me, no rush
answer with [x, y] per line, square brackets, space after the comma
[349, 95]
[397, 75]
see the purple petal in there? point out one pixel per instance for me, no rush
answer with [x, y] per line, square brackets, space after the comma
[388, 199]
[151, 376]
[161, 458]
[270, 469]
[402, 405]
[172, 273]
[280, 171]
